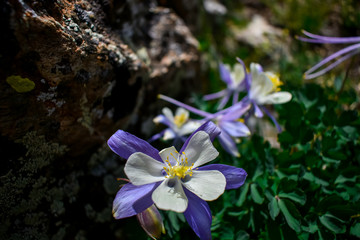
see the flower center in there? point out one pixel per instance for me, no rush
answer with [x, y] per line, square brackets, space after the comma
[179, 120]
[275, 81]
[181, 169]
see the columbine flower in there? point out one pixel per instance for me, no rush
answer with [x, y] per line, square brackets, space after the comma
[228, 120]
[178, 125]
[264, 88]
[342, 54]
[234, 80]
[173, 180]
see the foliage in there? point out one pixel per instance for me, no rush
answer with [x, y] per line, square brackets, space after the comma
[308, 186]
[306, 189]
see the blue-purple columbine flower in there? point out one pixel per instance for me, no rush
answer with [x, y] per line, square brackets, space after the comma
[263, 89]
[228, 120]
[173, 180]
[235, 83]
[179, 125]
[337, 57]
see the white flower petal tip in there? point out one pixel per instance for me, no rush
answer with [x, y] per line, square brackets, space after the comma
[207, 185]
[200, 149]
[278, 97]
[169, 195]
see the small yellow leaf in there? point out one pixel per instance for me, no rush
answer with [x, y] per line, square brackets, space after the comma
[20, 84]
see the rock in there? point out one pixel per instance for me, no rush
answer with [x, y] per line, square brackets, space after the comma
[76, 72]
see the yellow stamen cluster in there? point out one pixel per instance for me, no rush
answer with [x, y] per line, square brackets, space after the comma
[179, 120]
[241, 120]
[181, 169]
[275, 81]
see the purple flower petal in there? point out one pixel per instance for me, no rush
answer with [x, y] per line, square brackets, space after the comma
[208, 127]
[236, 111]
[131, 200]
[124, 144]
[258, 112]
[156, 136]
[228, 144]
[225, 74]
[235, 177]
[235, 128]
[272, 119]
[183, 105]
[224, 100]
[215, 95]
[198, 215]
[312, 74]
[333, 56]
[325, 39]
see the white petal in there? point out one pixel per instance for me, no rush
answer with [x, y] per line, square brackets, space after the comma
[276, 98]
[169, 153]
[207, 185]
[200, 149]
[169, 134]
[189, 127]
[260, 86]
[238, 74]
[142, 169]
[168, 114]
[169, 195]
[160, 119]
[182, 111]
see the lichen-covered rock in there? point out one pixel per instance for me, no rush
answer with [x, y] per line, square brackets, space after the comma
[73, 72]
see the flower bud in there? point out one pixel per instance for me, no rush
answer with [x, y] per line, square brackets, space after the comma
[151, 221]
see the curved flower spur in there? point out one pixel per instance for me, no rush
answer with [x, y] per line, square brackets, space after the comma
[174, 180]
[337, 57]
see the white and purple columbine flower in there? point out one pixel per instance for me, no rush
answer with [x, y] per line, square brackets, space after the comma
[174, 180]
[340, 55]
[179, 125]
[235, 83]
[228, 120]
[264, 89]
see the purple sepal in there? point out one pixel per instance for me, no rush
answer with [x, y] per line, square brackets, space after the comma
[235, 177]
[131, 200]
[225, 75]
[277, 125]
[208, 127]
[228, 144]
[235, 129]
[224, 100]
[198, 215]
[124, 144]
[258, 112]
[156, 136]
[247, 79]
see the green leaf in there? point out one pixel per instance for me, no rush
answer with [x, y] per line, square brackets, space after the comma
[297, 196]
[310, 177]
[355, 230]
[342, 179]
[242, 235]
[243, 194]
[255, 193]
[291, 214]
[273, 208]
[312, 228]
[174, 219]
[333, 223]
